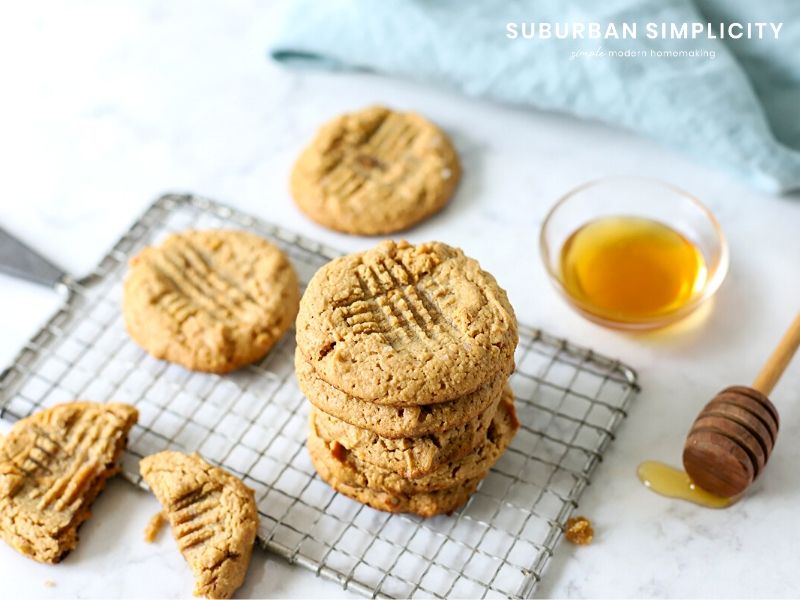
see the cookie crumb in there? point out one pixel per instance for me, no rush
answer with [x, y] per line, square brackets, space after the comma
[154, 527]
[49, 584]
[578, 530]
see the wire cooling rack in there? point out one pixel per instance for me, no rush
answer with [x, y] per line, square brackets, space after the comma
[253, 422]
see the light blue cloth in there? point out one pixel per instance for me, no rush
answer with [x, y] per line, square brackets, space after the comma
[740, 110]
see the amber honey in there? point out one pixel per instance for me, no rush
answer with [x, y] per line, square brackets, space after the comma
[631, 269]
[675, 483]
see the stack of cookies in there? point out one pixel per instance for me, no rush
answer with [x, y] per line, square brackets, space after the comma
[404, 352]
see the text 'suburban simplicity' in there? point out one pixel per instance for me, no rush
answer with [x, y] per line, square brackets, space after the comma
[672, 31]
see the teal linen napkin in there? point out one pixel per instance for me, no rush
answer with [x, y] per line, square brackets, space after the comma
[740, 110]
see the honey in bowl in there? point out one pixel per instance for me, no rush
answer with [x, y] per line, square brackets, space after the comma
[631, 269]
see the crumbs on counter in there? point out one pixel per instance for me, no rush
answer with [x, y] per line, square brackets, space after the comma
[49, 583]
[154, 527]
[578, 530]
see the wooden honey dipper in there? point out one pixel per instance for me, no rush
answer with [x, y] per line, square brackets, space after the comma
[733, 436]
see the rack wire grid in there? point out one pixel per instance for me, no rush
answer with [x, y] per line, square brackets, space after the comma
[253, 422]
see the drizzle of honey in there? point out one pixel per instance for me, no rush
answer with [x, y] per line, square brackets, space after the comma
[674, 483]
[631, 269]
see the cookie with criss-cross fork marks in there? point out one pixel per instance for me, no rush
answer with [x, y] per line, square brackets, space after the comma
[375, 171]
[53, 465]
[213, 517]
[212, 300]
[405, 325]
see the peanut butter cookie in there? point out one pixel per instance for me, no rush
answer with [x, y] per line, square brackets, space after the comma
[351, 470]
[213, 517]
[406, 325]
[212, 301]
[410, 457]
[396, 421]
[424, 504]
[375, 171]
[53, 465]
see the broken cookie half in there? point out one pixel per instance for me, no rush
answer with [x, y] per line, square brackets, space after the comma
[53, 465]
[213, 517]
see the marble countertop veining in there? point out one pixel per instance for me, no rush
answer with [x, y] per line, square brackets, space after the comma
[108, 105]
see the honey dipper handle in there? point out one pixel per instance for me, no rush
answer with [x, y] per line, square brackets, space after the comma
[773, 369]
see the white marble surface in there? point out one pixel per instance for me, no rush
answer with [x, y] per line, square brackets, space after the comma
[107, 105]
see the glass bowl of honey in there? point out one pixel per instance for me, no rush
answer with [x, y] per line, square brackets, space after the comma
[632, 252]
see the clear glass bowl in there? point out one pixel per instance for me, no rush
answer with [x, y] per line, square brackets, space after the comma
[635, 197]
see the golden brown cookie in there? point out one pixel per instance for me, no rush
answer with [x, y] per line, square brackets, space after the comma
[351, 470]
[53, 465]
[424, 504]
[410, 457]
[406, 325]
[396, 421]
[375, 171]
[213, 517]
[212, 301]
